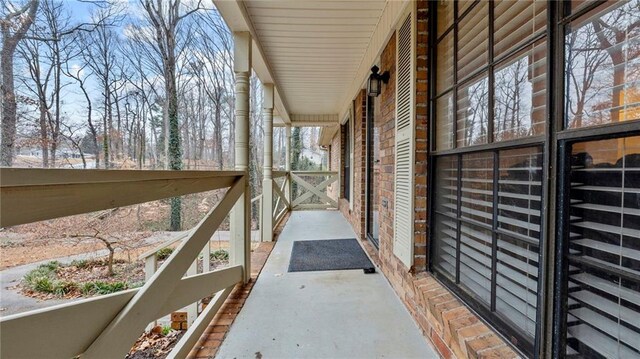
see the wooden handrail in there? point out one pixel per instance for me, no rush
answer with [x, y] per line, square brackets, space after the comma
[107, 326]
[31, 195]
[314, 173]
[176, 238]
[278, 174]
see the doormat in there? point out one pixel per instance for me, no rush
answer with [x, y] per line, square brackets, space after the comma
[329, 254]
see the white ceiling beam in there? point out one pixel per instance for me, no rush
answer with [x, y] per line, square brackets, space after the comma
[313, 120]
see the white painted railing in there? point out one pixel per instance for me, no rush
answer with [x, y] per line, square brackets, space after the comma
[107, 326]
[258, 199]
[281, 197]
[312, 195]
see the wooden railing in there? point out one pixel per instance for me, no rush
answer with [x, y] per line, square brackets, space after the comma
[107, 326]
[258, 199]
[310, 190]
[281, 203]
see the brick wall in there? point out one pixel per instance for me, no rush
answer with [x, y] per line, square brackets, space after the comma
[453, 329]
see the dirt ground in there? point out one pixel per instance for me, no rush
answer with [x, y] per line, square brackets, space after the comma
[129, 230]
[18, 249]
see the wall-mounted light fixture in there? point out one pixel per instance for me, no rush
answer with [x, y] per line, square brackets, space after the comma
[374, 86]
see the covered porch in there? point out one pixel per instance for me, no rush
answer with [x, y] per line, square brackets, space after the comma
[321, 314]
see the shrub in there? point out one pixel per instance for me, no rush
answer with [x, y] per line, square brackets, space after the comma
[43, 284]
[220, 254]
[42, 278]
[61, 288]
[98, 287]
[166, 330]
[80, 263]
[52, 266]
[164, 253]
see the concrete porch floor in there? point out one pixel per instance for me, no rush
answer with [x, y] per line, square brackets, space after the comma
[331, 314]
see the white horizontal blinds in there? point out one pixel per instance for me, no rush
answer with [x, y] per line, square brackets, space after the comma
[445, 16]
[446, 207]
[473, 41]
[518, 240]
[517, 22]
[603, 318]
[403, 223]
[476, 208]
[444, 64]
[520, 91]
[444, 122]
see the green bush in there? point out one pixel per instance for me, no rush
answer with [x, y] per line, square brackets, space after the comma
[98, 287]
[43, 284]
[61, 288]
[42, 278]
[164, 253]
[80, 263]
[220, 254]
[166, 330]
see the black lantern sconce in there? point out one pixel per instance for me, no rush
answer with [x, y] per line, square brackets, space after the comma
[374, 87]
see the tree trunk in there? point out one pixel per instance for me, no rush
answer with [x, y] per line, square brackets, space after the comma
[44, 137]
[8, 108]
[175, 150]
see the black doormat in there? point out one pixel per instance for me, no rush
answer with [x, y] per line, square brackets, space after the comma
[328, 254]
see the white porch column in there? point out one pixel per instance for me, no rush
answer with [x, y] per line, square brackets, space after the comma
[240, 241]
[267, 181]
[288, 149]
[287, 163]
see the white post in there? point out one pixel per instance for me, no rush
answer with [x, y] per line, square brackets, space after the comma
[267, 181]
[287, 162]
[240, 241]
[192, 309]
[150, 267]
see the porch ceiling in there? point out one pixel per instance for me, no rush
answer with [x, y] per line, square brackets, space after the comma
[312, 49]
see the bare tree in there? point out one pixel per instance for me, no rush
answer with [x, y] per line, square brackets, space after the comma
[14, 26]
[614, 30]
[100, 53]
[165, 17]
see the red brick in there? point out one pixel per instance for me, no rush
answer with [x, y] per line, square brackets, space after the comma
[503, 352]
[178, 316]
[482, 343]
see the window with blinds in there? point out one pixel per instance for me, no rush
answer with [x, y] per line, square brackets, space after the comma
[491, 89]
[488, 210]
[603, 316]
[491, 176]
